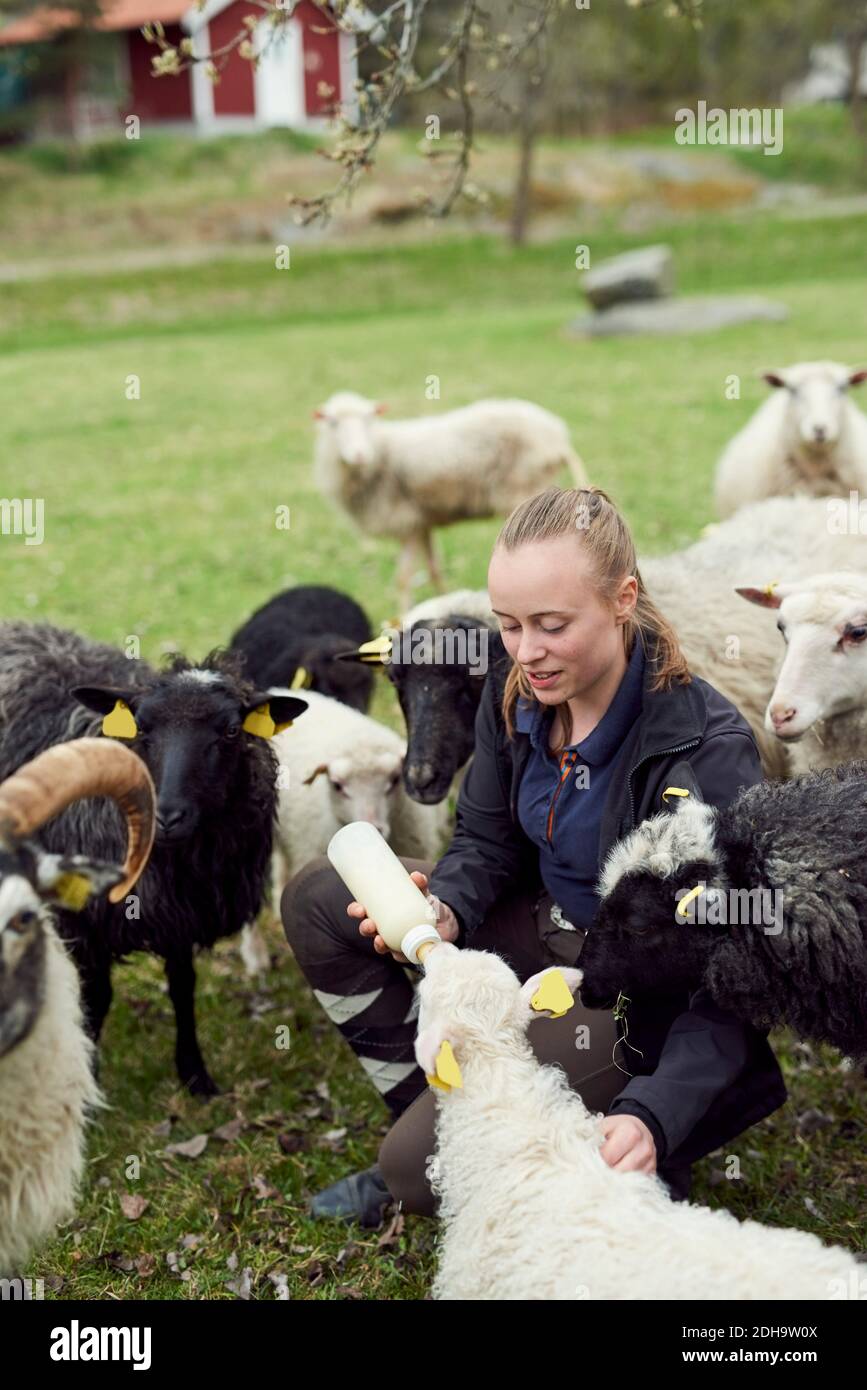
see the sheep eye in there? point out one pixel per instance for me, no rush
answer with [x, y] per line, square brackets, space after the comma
[339, 787]
[855, 634]
[781, 628]
[21, 921]
[232, 732]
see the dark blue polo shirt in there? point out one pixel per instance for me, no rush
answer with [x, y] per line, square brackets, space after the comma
[560, 800]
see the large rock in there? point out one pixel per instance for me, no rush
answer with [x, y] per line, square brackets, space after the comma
[644, 274]
[694, 314]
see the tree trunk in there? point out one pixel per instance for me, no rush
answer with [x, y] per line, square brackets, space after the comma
[521, 198]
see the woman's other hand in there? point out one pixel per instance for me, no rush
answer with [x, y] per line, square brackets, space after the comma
[629, 1145]
[446, 921]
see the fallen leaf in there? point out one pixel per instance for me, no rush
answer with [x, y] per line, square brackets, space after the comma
[163, 1129]
[281, 1287]
[391, 1232]
[230, 1131]
[292, 1143]
[191, 1148]
[117, 1260]
[241, 1287]
[132, 1205]
[145, 1265]
[263, 1189]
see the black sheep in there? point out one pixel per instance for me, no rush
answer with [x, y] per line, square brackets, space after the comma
[439, 687]
[198, 730]
[777, 931]
[304, 629]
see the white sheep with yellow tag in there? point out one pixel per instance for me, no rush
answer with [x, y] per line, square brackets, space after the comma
[528, 1207]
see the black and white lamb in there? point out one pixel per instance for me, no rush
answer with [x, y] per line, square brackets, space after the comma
[763, 903]
[297, 634]
[47, 1087]
[202, 732]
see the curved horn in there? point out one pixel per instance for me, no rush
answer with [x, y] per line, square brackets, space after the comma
[71, 771]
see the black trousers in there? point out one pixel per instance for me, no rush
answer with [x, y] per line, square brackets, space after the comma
[371, 1000]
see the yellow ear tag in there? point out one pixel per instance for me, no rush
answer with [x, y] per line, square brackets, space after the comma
[376, 650]
[769, 588]
[120, 723]
[448, 1073]
[674, 791]
[554, 994]
[687, 899]
[73, 890]
[259, 722]
[302, 680]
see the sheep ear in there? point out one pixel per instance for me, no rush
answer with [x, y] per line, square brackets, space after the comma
[376, 652]
[769, 597]
[268, 715]
[550, 991]
[774, 378]
[70, 880]
[380, 408]
[317, 772]
[318, 414]
[855, 378]
[434, 1052]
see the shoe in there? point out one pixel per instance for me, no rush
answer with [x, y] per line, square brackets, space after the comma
[360, 1197]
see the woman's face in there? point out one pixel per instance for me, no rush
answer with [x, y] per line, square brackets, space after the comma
[552, 621]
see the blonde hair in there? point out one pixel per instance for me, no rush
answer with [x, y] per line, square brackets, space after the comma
[590, 515]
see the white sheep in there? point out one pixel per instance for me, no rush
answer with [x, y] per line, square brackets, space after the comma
[528, 1207]
[47, 1091]
[466, 603]
[337, 766]
[807, 438]
[817, 710]
[401, 478]
[737, 649]
[47, 1088]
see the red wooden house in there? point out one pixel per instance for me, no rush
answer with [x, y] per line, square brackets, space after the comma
[305, 65]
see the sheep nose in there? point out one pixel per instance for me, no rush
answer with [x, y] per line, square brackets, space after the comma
[820, 434]
[781, 715]
[169, 820]
[420, 774]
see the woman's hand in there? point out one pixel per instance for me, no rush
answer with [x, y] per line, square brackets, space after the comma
[629, 1145]
[446, 921]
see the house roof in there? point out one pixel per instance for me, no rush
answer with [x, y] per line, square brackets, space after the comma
[128, 14]
[121, 14]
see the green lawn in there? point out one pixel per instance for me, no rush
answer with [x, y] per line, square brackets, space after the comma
[160, 523]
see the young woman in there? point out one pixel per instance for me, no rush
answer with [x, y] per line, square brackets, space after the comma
[594, 716]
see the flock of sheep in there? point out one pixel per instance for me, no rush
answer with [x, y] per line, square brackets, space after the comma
[221, 782]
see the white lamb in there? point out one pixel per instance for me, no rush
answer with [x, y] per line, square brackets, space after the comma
[401, 478]
[808, 437]
[528, 1207]
[338, 765]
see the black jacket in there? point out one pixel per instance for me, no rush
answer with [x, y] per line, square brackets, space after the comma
[699, 1076]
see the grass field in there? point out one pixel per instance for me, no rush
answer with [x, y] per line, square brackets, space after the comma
[160, 523]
